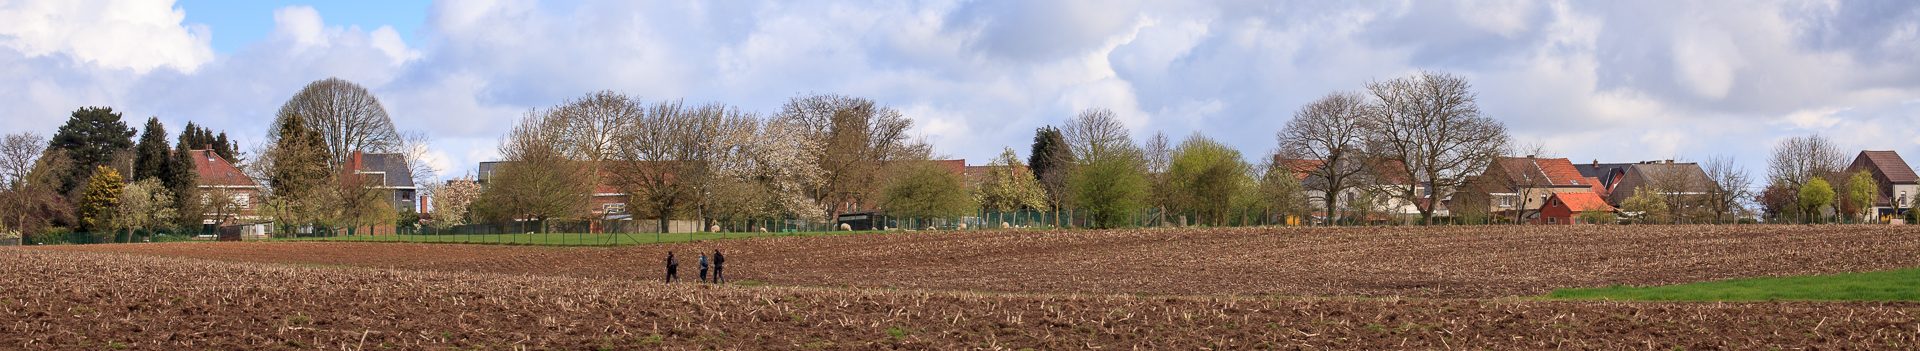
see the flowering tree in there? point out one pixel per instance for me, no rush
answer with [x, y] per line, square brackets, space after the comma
[451, 200]
[1010, 186]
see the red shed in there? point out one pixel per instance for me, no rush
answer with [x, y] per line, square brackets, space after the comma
[1565, 208]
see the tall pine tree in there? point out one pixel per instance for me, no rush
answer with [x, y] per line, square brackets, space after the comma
[1051, 161]
[90, 138]
[298, 171]
[150, 157]
[184, 182]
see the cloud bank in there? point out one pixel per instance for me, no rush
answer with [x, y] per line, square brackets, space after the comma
[1613, 81]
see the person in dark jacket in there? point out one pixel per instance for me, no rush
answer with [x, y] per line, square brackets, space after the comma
[719, 266]
[673, 268]
[703, 268]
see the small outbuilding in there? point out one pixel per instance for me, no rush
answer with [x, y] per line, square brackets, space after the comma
[1566, 208]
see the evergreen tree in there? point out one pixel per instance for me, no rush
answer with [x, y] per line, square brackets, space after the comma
[299, 172]
[150, 157]
[224, 148]
[184, 182]
[90, 139]
[196, 137]
[1051, 160]
[102, 198]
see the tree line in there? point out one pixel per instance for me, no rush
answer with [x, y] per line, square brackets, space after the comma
[93, 175]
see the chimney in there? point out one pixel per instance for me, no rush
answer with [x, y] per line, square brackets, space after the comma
[1596, 163]
[1529, 156]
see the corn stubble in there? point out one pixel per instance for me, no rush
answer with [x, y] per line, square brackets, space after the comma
[62, 299]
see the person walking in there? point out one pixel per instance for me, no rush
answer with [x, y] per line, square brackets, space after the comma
[673, 268]
[703, 268]
[719, 267]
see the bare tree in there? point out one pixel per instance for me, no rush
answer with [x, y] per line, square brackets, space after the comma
[858, 137]
[1096, 134]
[17, 155]
[1331, 131]
[1797, 160]
[415, 151]
[1159, 155]
[1430, 123]
[670, 162]
[347, 116]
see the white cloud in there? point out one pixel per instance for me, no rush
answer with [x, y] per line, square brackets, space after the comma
[134, 35]
[1609, 81]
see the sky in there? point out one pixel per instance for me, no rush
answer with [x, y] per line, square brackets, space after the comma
[1608, 81]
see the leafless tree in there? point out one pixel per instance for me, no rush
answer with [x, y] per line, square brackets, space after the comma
[1732, 186]
[1331, 131]
[1159, 155]
[17, 155]
[1797, 160]
[416, 153]
[1096, 134]
[670, 162]
[347, 116]
[858, 138]
[1430, 123]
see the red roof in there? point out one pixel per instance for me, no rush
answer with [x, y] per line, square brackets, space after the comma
[1583, 202]
[216, 171]
[1299, 167]
[1542, 171]
[1597, 187]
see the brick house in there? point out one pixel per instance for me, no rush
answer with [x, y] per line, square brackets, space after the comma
[1566, 208]
[229, 197]
[1516, 187]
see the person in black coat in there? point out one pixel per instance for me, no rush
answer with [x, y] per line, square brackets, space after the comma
[719, 266]
[673, 268]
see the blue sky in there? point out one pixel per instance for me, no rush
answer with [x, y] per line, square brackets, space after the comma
[1613, 81]
[236, 23]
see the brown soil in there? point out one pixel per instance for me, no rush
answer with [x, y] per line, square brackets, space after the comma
[1452, 262]
[69, 300]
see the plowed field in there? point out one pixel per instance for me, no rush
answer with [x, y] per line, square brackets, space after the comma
[1367, 288]
[1417, 262]
[63, 300]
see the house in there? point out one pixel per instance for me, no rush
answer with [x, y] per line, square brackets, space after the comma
[1566, 208]
[1671, 178]
[1382, 184]
[1897, 182]
[1516, 187]
[229, 197]
[1602, 175]
[388, 173]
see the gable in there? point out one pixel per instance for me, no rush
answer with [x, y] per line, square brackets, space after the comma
[1886, 164]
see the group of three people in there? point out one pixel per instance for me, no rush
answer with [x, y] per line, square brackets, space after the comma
[719, 265]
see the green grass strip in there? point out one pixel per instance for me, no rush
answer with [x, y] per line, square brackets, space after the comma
[1895, 285]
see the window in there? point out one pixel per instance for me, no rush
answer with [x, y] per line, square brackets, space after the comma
[614, 208]
[243, 201]
[1553, 220]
